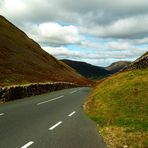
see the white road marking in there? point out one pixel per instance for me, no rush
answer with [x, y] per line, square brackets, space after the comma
[71, 113]
[50, 100]
[73, 91]
[28, 144]
[54, 126]
[1, 114]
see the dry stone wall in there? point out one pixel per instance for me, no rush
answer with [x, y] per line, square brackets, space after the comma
[21, 91]
[140, 63]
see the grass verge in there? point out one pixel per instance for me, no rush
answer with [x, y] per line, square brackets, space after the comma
[119, 106]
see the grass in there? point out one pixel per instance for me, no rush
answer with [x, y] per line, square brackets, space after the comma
[119, 105]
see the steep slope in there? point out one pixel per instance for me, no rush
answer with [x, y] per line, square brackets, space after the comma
[23, 61]
[117, 66]
[140, 63]
[119, 106]
[87, 70]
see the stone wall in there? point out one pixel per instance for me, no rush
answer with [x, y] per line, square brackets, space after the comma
[21, 91]
[140, 63]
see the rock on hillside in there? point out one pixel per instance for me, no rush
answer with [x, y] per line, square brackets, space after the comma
[87, 70]
[117, 66]
[140, 63]
[23, 61]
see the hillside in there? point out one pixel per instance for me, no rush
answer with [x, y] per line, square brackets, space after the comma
[119, 106]
[23, 61]
[140, 63]
[117, 66]
[87, 70]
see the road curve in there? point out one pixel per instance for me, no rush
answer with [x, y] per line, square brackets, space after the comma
[52, 120]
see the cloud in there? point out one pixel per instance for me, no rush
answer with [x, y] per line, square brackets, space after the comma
[58, 34]
[140, 41]
[117, 18]
[27, 11]
[62, 52]
[118, 27]
[1, 3]
[113, 5]
[54, 34]
[84, 12]
[134, 27]
[119, 46]
[99, 58]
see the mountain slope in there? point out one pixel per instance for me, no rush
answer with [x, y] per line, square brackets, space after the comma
[140, 63]
[87, 70]
[23, 61]
[117, 66]
[119, 106]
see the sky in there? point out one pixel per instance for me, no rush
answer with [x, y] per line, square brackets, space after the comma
[99, 32]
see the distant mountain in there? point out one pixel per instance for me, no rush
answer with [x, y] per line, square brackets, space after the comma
[87, 70]
[23, 61]
[117, 66]
[140, 63]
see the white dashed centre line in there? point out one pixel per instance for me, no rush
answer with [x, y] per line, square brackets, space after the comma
[54, 126]
[28, 144]
[73, 91]
[1, 114]
[71, 113]
[50, 100]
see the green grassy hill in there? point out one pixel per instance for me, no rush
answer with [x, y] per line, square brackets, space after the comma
[119, 105]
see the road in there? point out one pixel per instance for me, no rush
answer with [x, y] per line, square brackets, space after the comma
[52, 120]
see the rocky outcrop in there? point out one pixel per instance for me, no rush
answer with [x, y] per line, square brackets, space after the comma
[140, 63]
[21, 91]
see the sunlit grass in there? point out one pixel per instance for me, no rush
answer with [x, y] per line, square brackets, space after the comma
[121, 103]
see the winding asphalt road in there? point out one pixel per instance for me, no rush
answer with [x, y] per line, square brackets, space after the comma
[52, 120]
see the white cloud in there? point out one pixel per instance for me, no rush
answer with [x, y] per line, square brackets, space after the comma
[15, 8]
[104, 58]
[62, 52]
[17, 4]
[54, 34]
[119, 46]
[25, 10]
